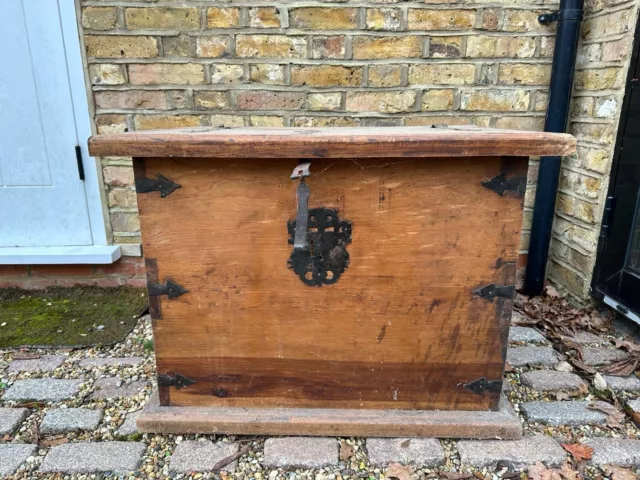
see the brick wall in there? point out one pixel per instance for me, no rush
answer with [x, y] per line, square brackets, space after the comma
[163, 64]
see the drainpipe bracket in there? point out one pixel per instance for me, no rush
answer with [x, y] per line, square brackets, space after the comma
[573, 14]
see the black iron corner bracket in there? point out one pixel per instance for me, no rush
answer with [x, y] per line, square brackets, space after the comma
[482, 386]
[170, 288]
[489, 292]
[175, 380]
[501, 185]
[160, 184]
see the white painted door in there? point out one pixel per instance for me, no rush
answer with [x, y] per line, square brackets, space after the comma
[43, 202]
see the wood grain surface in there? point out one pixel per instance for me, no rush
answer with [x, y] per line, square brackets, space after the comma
[389, 142]
[401, 329]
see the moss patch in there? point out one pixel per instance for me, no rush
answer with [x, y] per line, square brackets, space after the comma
[77, 316]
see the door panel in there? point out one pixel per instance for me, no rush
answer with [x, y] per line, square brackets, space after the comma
[42, 198]
[617, 272]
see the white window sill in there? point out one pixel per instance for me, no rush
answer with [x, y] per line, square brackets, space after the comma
[90, 254]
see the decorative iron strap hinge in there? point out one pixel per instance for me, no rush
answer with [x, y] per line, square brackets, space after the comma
[501, 184]
[482, 386]
[170, 288]
[489, 292]
[160, 184]
[176, 380]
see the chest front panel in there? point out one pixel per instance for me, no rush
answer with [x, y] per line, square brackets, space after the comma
[416, 318]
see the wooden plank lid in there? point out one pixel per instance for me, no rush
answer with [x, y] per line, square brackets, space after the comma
[441, 141]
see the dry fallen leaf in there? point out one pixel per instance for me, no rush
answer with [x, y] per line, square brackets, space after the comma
[400, 472]
[53, 441]
[615, 418]
[599, 382]
[551, 291]
[579, 451]
[540, 472]
[25, 356]
[618, 473]
[346, 451]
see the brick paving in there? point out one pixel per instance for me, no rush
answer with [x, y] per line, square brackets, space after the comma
[96, 395]
[414, 451]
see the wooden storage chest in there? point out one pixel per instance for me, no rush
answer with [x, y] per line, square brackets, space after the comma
[396, 296]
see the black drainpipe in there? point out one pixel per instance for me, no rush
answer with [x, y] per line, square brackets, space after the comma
[569, 18]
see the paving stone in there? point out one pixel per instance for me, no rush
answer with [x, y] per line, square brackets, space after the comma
[601, 356]
[129, 426]
[91, 457]
[615, 451]
[46, 363]
[10, 418]
[552, 380]
[585, 338]
[562, 413]
[112, 387]
[525, 334]
[43, 389]
[519, 453]
[201, 456]
[300, 452]
[12, 455]
[111, 361]
[634, 405]
[63, 420]
[628, 384]
[525, 356]
[422, 452]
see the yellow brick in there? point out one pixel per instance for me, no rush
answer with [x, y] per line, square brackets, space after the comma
[432, 19]
[442, 74]
[212, 47]
[524, 21]
[111, 123]
[523, 74]
[207, 100]
[437, 120]
[326, 76]
[445, 47]
[611, 24]
[520, 123]
[107, 74]
[264, 17]
[435, 100]
[162, 18]
[99, 18]
[147, 122]
[325, 101]
[223, 17]
[319, 18]
[495, 100]
[325, 122]
[384, 102]
[267, 73]
[597, 79]
[515, 47]
[270, 46]
[227, 73]
[227, 121]
[122, 46]
[384, 19]
[367, 47]
[481, 46]
[385, 75]
[166, 73]
[266, 121]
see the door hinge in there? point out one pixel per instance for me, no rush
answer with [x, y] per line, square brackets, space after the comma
[607, 216]
[79, 160]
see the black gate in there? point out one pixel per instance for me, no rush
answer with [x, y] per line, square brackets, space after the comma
[616, 279]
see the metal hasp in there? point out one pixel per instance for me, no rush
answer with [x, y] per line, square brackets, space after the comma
[302, 197]
[569, 18]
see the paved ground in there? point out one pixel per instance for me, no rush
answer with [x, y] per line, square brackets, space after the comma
[69, 414]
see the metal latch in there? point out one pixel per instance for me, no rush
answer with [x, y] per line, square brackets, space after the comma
[300, 241]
